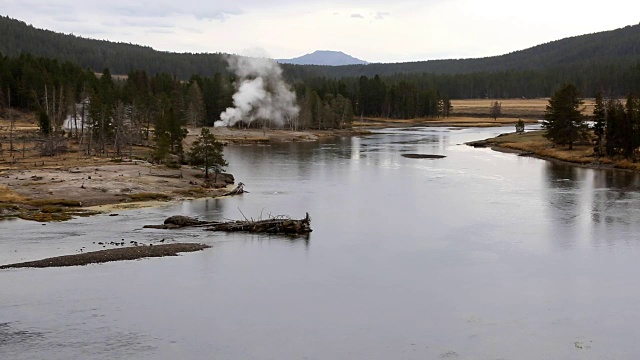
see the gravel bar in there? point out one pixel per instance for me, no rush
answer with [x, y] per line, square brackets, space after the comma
[103, 256]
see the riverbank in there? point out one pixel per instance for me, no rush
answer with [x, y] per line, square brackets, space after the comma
[533, 143]
[61, 192]
[263, 136]
[60, 187]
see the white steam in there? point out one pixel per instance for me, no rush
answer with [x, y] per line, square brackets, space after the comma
[261, 93]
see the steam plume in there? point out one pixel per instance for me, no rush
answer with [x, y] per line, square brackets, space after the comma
[261, 93]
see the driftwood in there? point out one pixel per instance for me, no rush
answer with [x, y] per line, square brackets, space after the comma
[237, 190]
[270, 226]
[276, 225]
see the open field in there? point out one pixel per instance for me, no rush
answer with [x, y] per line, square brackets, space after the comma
[453, 121]
[514, 108]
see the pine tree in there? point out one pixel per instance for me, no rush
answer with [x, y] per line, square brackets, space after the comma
[44, 123]
[195, 105]
[616, 127]
[206, 151]
[563, 117]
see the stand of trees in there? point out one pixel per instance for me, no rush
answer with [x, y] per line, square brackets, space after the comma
[109, 114]
[622, 127]
[616, 123]
[563, 118]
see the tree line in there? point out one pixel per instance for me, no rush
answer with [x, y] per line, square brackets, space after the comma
[605, 61]
[117, 108]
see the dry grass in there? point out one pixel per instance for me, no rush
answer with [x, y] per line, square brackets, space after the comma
[453, 121]
[535, 143]
[27, 156]
[9, 196]
[528, 108]
[44, 217]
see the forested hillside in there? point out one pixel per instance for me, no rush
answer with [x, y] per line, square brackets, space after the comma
[616, 48]
[40, 69]
[16, 38]
[611, 50]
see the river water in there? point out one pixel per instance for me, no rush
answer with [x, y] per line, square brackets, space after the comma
[480, 255]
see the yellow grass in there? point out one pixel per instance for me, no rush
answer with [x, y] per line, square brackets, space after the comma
[9, 196]
[535, 143]
[510, 107]
[454, 121]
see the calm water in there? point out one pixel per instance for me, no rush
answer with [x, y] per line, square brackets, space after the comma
[481, 255]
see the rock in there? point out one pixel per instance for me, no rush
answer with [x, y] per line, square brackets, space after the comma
[181, 221]
[423, 156]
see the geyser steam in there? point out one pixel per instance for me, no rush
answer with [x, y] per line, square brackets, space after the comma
[261, 93]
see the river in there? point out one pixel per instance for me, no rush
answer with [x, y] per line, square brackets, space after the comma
[480, 255]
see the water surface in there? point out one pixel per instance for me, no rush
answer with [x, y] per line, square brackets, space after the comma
[480, 255]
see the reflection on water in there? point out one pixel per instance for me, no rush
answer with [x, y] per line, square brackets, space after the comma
[478, 255]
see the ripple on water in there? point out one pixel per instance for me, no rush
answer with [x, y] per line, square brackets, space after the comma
[11, 336]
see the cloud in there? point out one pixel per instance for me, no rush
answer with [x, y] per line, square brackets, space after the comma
[201, 11]
[69, 18]
[161, 31]
[380, 15]
[146, 23]
[357, 16]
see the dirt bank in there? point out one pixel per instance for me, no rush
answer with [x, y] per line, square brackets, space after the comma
[252, 136]
[107, 183]
[103, 256]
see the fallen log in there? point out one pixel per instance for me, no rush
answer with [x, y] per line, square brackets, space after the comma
[270, 226]
[237, 190]
[276, 225]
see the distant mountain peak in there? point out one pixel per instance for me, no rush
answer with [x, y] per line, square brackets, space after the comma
[324, 57]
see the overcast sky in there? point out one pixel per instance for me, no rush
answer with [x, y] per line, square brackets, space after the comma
[372, 30]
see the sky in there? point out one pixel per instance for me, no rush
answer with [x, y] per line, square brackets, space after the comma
[371, 30]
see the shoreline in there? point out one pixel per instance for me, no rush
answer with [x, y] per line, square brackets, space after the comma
[538, 147]
[72, 184]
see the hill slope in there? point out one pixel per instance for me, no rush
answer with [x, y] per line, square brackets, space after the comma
[620, 46]
[324, 57]
[619, 49]
[16, 38]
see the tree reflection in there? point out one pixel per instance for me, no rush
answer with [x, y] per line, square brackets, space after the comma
[563, 191]
[615, 197]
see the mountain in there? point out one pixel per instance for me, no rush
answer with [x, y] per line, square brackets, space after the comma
[324, 57]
